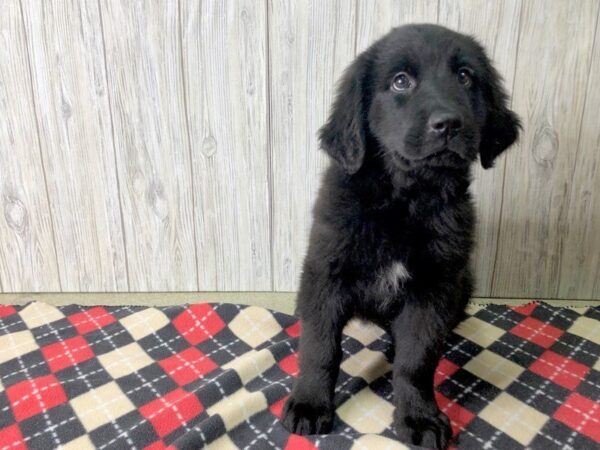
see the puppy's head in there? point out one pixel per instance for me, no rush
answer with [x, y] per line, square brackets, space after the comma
[422, 96]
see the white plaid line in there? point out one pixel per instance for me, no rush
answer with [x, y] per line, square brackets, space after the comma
[36, 393]
[454, 401]
[541, 333]
[587, 417]
[83, 377]
[548, 363]
[65, 327]
[580, 426]
[39, 433]
[559, 314]
[72, 380]
[265, 436]
[258, 433]
[213, 380]
[347, 432]
[186, 363]
[516, 415]
[110, 338]
[473, 385]
[163, 343]
[75, 349]
[522, 383]
[124, 433]
[478, 395]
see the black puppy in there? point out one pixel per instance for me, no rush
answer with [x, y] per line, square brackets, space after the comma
[393, 223]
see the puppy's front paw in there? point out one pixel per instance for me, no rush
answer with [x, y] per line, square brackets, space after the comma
[427, 430]
[302, 417]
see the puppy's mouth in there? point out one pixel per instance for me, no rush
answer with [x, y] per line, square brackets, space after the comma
[433, 155]
[444, 156]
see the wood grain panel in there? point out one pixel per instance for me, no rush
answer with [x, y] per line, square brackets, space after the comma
[376, 18]
[310, 44]
[580, 263]
[496, 27]
[69, 85]
[225, 67]
[143, 60]
[552, 69]
[27, 255]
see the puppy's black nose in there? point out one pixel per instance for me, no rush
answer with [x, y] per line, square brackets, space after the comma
[444, 124]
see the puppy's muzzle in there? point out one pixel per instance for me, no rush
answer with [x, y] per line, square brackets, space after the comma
[444, 124]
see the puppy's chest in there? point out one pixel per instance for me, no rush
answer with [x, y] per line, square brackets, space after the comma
[400, 246]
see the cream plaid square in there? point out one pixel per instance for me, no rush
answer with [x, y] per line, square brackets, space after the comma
[223, 443]
[515, 418]
[101, 406]
[366, 412]
[16, 344]
[367, 364]
[363, 332]
[145, 322]
[125, 360]
[494, 369]
[38, 313]
[478, 331]
[251, 364]
[374, 441]
[81, 443]
[254, 325]
[473, 309]
[239, 406]
[586, 328]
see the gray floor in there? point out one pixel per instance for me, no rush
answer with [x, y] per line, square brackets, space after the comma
[278, 301]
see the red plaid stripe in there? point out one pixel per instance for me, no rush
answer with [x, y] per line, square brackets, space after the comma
[188, 365]
[560, 369]
[581, 414]
[537, 331]
[198, 323]
[11, 438]
[31, 397]
[67, 353]
[91, 319]
[172, 411]
[289, 364]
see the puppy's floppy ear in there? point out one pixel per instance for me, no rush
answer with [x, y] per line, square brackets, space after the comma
[502, 125]
[343, 137]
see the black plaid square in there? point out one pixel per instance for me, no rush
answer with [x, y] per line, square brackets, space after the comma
[516, 349]
[59, 424]
[538, 392]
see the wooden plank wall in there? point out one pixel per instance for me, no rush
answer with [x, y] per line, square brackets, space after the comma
[171, 146]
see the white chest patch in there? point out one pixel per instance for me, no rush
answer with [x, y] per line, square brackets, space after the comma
[391, 278]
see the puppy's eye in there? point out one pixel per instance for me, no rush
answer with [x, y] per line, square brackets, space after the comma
[403, 82]
[465, 76]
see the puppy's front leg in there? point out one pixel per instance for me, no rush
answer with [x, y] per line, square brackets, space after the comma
[310, 410]
[419, 332]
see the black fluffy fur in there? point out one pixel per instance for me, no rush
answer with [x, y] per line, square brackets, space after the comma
[393, 223]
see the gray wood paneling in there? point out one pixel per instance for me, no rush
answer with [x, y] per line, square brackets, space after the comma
[70, 94]
[145, 79]
[26, 238]
[553, 63]
[164, 145]
[225, 72]
[496, 26]
[580, 258]
[310, 43]
[377, 18]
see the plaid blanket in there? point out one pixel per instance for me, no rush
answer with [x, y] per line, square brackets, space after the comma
[216, 376]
